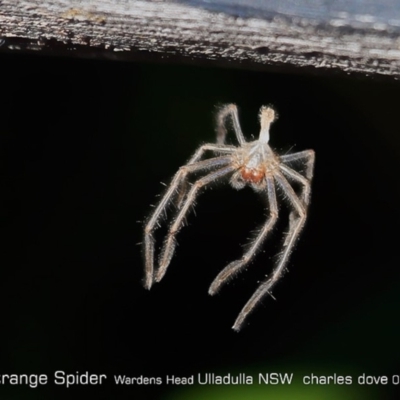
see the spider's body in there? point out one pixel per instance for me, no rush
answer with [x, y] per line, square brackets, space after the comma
[253, 163]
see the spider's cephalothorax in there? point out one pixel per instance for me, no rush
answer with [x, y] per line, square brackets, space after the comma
[251, 163]
[254, 163]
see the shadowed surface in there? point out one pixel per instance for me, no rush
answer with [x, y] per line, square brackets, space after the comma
[83, 148]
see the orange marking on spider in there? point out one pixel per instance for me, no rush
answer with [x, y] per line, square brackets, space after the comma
[252, 175]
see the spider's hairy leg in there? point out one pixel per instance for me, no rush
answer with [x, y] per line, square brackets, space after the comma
[234, 267]
[224, 112]
[305, 192]
[183, 187]
[292, 235]
[170, 241]
[307, 155]
[216, 148]
[152, 224]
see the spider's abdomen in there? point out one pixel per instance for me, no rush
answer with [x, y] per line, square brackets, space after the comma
[252, 175]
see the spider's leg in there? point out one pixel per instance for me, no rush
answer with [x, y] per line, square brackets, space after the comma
[153, 222]
[224, 112]
[234, 267]
[307, 155]
[305, 192]
[170, 241]
[183, 188]
[216, 148]
[293, 234]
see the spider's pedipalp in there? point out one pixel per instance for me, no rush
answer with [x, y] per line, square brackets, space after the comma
[237, 181]
[170, 241]
[236, 266]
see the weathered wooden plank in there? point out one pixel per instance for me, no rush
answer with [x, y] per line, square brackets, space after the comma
[261, 34]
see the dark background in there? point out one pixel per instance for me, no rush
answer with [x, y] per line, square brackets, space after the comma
[84, 146]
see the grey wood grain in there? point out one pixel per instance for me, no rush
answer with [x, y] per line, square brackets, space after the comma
[355, 36]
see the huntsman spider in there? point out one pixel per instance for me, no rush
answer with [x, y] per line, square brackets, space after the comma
[251, 163]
